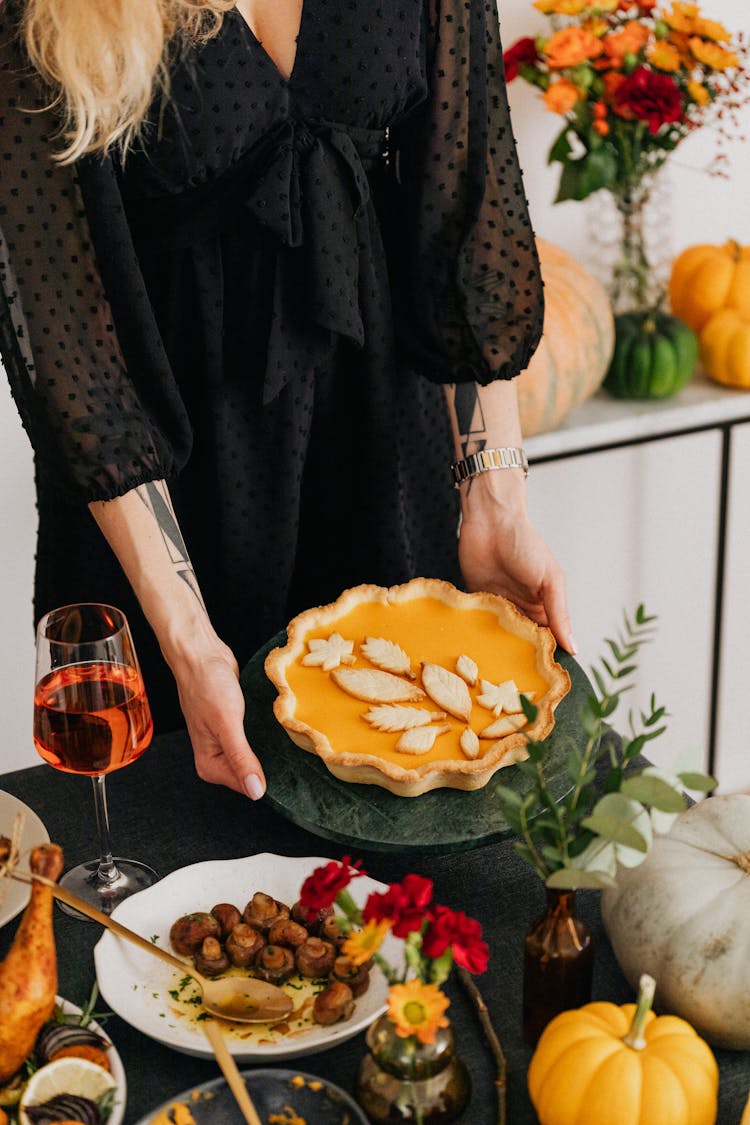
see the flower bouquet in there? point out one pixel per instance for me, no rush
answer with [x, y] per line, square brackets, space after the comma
[632, 79]
[412, 1042]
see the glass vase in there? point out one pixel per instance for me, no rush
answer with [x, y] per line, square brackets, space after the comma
[558, 962]
[403, 1080]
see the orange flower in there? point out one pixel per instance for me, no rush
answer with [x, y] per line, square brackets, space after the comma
[361, 944]
[712, 55]
[595, 25]
[664, 56]
[697, 92]
[613, 79]
[600, 126]
[562, 7]
[571, 46]
[417, 1009]
[629, 41]
[561, 96]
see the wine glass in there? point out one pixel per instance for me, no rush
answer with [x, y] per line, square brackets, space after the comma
[91, 716]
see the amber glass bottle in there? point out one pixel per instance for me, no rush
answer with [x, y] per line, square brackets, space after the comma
[558, 961]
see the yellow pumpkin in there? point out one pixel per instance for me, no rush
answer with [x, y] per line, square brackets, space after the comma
[609, 1065]
[725, 348]
[705, 279]
[746, 1113]
[576, 346]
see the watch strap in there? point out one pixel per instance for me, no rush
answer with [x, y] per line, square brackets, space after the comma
[505, 457]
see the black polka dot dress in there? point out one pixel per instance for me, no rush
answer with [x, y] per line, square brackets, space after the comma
[261, 303]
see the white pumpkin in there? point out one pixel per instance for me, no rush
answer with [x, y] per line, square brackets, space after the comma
[683, 916]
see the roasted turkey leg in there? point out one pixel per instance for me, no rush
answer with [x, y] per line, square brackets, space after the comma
[28, 975]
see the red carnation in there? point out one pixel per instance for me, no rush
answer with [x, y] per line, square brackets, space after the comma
[522, 53]
[319, 890]
[463, 934]
[404, 905]
[649, 96]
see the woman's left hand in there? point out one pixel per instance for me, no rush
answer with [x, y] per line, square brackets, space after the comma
[501, 552]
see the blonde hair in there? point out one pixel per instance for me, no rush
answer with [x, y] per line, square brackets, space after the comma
[104, 60]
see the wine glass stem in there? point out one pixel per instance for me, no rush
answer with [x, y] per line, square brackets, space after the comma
[107, 871]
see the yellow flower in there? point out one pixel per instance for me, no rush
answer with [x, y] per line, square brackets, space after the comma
[711, 29]
[561, 96]
[697, 92]
[682, 16]
[595, 25]
[561, 7]
[664, 56]
[361, 944]
[417, 1009]
[712, 55]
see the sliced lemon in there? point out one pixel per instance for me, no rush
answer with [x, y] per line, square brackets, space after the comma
[64, 1076]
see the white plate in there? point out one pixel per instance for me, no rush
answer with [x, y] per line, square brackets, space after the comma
[14, 896]
[118, 1071]
[137, 986]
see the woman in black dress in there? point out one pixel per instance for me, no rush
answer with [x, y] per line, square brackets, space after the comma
[265, 270]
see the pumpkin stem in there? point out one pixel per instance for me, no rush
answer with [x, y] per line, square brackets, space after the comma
[735, 249]
[635, 1037]
[742, 859]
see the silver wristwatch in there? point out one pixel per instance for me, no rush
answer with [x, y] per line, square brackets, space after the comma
[507, 457]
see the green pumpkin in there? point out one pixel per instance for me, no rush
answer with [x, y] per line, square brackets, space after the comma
[655, 355]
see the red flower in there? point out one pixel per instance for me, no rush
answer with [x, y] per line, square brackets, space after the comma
[463, 934]
[404, 905]
[319, 890]
[523, 52]
[649, 96]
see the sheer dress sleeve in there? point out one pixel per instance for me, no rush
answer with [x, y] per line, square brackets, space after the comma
[469, 292]
[97, 430]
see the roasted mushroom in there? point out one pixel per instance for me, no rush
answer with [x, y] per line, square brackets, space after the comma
[315, 957]
[334, 1003]
[243, 945]
[330, 930]
[310, 919]
[227, 916]
[262, 911]
[189, 932]
[286, 932]
[210, 959]
[275, 964]
[356, 976]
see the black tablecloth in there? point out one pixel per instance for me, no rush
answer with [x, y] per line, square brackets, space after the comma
[163, 814]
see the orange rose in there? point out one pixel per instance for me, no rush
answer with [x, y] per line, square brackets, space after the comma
[571, 46]
[561, 96]
[712, 55]
[629, 41]
[664, 56]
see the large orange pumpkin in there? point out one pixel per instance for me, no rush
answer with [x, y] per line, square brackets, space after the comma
[706, 279]
[576, 346]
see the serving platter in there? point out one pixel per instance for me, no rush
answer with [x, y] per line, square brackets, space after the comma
[158, 1002]
[369, 817]
[276, 1091]
[13, 895]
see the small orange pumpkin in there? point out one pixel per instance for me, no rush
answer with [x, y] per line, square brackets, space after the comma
[576, 346]
[706, 279]
[607, 1065]
[725, 348]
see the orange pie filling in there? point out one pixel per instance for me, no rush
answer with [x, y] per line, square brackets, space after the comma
[416, 686]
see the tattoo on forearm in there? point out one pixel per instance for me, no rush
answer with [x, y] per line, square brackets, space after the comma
[155, 497]
[470, 418]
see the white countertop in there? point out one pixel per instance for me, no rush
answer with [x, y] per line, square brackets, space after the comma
[603, 421]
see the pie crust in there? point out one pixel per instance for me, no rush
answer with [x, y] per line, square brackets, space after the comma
[438, 626]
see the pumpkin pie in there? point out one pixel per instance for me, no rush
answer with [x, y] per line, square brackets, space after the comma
[417, 686]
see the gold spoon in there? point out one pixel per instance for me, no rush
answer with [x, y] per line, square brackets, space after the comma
[229, 1069]
[239, 999]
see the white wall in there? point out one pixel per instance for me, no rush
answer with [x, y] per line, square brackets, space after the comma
[703, 209]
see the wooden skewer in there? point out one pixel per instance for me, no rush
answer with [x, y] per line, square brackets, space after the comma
[230, 1072]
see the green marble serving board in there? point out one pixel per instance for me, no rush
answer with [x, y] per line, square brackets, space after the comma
[366, 816]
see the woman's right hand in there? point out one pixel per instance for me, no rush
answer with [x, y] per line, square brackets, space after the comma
[214, 708]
